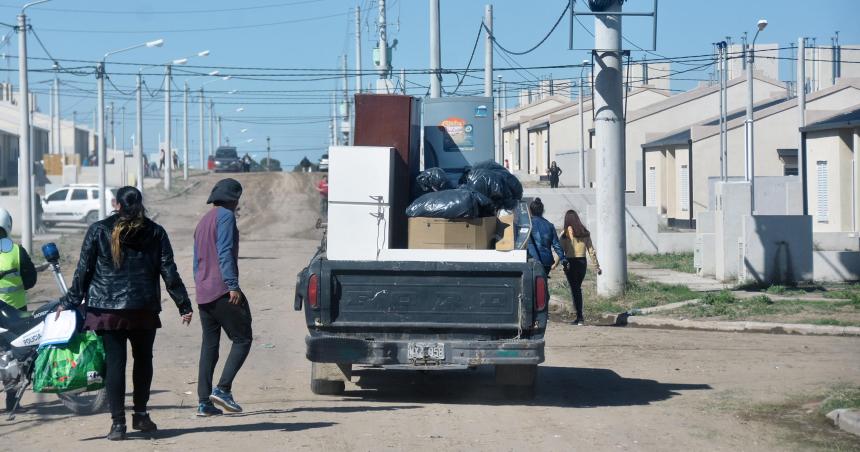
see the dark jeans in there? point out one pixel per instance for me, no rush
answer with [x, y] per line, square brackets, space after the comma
[553, 182]
[575, 274]
[10, 395]
[236, 322]
[115, 360]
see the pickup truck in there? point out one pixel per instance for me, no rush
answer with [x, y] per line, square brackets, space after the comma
[425, 315]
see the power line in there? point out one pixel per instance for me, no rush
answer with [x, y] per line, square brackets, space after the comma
[551, 30]
[144, 12]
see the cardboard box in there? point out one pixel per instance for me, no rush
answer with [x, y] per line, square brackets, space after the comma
[463, 234]
[505, 232]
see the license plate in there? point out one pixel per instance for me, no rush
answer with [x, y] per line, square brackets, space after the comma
[426, 351]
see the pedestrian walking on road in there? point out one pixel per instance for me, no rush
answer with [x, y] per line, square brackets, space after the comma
[554, 172]
[161, 160]
[220, 300]
[121, 261]
[544, 240]
[18, 276]
[322, 188]
[576, 242]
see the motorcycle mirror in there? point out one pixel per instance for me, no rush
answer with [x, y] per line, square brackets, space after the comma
[51, 252]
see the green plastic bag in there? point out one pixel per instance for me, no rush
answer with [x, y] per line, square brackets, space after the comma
[78, 364]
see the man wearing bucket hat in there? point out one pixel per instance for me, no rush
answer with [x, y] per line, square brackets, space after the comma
[222, 304]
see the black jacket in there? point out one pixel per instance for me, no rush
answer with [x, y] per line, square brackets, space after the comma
[147, 255]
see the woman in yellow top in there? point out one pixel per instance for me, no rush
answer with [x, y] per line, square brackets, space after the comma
[576, 242]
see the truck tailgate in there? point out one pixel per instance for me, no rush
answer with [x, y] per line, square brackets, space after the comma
[429, 295]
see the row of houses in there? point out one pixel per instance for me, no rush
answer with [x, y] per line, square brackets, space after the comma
[672, 147]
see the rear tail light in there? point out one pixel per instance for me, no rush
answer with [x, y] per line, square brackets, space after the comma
[314, 291]
[541, 293]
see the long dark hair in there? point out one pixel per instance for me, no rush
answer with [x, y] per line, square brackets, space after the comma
[571, 220]
[536, 208]
[132, 217]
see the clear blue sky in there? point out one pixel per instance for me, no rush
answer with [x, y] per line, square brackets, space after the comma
[311, 34]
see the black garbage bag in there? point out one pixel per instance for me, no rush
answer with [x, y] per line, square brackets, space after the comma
[451, 204]
[432, 179]
[495, 182]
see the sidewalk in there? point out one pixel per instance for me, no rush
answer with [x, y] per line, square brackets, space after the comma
[666, 276]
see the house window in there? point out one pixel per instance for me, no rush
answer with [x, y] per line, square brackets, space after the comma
[652, 186]
[684, 192]
[788, 157]
[822, 211]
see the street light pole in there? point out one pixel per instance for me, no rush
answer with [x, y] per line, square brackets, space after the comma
[185, 134]
[268, 154]
[100, 130]
[168, 154]
[138, 149]
[582, 165]
[749, 174]
[211, 127]
[202, 127]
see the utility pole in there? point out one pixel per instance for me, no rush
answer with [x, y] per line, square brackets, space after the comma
[609, 130]
[383, 84]
[750, 143]
[211, 127]
[122, 128]
[59, 128]
[25, 169]
[488, 51]
[268, 154]
[403, 81]
[219, 130]
[721, 49]
[357, 48]
[185, 134]
[801, 108]
[112, 128]
[168, 154]
[582, 165]
[138, 134]
[203, 165]
[100, 135]
[345, 131]
[435, 52]
[500, 143]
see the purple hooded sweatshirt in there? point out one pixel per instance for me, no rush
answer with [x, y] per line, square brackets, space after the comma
[216, 255]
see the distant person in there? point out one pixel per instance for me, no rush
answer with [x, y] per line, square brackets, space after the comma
[544, 240]
[322, 188]
[175, 160]
[161, 161]
[146, 169]
[122, 259]
[220, 299]
[18, 277]
[554, 172]
[246, 164]
[507, 165]
[576, 243]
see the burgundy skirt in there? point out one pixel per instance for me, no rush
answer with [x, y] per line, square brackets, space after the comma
[121, 319]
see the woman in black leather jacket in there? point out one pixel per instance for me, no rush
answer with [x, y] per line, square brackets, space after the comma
[122, 259]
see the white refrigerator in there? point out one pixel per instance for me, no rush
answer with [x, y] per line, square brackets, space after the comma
[359, 197]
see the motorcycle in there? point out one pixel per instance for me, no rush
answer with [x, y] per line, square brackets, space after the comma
[20, 336]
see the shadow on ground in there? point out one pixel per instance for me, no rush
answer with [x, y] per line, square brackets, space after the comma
[258, 427]
[556, 387]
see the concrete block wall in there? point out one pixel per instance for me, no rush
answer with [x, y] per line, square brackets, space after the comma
[836, 266]
[836, 241]
[777, 249]
[732, 200]
[676, 242]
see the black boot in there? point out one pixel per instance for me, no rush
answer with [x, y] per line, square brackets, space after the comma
[143, 423]
[117, 432]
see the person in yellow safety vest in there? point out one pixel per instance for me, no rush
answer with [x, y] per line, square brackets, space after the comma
[17, 275]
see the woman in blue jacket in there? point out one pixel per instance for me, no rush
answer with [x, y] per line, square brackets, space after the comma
[544, 239]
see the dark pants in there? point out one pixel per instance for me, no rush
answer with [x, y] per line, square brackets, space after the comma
[10, 395]
[575, 274]
[115, 360]
[236, 322]
[553, 182]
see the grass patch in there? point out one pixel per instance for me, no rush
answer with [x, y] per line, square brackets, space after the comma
[682, 262]
[639, 294]
[803, 421]
[847, 292]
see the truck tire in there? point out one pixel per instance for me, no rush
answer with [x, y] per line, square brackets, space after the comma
[328, 379]
[517, 381]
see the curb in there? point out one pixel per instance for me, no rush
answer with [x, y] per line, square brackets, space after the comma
[845, 419]
[739, 327]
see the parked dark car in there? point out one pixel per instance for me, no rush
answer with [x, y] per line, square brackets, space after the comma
[227, 160]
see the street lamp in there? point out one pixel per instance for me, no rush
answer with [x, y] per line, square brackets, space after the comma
[215, 73]
[749, 148]
[25, 157]
[167, 174]
[585, 64]
[100, 123]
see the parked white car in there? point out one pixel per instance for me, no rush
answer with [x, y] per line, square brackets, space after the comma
[77, 203]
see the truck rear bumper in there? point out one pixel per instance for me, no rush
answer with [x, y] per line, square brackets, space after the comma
[344, 350]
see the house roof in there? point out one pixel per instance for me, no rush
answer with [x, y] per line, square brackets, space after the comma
[844, 119]
[681, 136]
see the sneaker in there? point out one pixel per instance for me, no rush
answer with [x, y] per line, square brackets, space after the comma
[143, 423]
[225, 399]
[577, 322]
[206, 409]
[117, 432]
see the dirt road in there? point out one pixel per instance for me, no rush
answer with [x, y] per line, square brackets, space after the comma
[600, 389]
